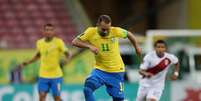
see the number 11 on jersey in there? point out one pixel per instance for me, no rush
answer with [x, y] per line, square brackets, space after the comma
[105, 47]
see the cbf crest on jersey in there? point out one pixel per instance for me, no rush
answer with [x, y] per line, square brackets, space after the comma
[167, 62]
[113, 39]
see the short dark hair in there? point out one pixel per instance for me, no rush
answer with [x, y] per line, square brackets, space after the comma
[105, 18]
[160, 42]
[48, 25]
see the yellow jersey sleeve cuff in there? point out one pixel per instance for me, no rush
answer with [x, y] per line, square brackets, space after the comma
[125, 34]
[80, 37]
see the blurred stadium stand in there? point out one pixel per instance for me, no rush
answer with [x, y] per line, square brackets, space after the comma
[21, 21]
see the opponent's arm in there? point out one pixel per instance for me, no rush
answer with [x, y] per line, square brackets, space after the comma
[176, 71]
[144, 66]
[145, 74]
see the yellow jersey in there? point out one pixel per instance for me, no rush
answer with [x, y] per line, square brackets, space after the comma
[50, 55]
[108, 58]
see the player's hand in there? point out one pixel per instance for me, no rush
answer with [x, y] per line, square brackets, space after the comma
[174, 77]
[145, 74]
[18, 67]
[95, 50]
[66, 61]
[148, 75]
[23, 64]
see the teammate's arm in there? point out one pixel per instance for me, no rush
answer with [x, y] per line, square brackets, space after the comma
[33, 59]
[132, 39]
[63, 48]
[83, 44]
[68, 56]
[176, 71]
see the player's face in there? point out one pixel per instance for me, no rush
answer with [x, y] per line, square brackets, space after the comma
[160, 49]
[49, 31]
[104, 28]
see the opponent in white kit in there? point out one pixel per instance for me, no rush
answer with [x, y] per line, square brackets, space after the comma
[153, 69]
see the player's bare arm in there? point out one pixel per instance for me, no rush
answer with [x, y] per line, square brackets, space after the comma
[68, 56]
[145, 74]
[35, 58]
[176, 71]
[132, 39]
[82, 44]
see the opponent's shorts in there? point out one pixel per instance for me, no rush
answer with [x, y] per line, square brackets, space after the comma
[149, 92]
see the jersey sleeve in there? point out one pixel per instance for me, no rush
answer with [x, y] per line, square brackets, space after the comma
[145, 64]
[174, 59]
[62, 46]
[121, 33]
[86, 35]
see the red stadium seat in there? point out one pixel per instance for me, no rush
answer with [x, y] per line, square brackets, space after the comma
[22, 21]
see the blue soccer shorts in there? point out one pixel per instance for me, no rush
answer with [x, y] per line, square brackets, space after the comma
[113, 82]
[50, 84]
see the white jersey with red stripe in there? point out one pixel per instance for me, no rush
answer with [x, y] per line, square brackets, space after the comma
[157, 66]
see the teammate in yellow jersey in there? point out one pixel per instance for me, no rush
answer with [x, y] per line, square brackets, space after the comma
[102, 40]
[49, 50]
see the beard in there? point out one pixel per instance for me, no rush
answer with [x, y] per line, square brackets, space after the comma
[103, 34]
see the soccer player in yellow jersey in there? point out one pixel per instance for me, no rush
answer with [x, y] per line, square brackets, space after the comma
[49, 51]
[102, 40]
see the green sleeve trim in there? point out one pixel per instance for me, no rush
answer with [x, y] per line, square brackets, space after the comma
[79, 37]
[125, 34]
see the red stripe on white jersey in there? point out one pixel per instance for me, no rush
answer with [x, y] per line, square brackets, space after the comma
[160, 66]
